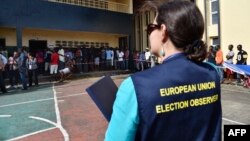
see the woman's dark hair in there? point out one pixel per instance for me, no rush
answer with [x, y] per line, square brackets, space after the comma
[185, 26]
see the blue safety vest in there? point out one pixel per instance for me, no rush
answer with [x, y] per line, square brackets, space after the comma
[178, 100]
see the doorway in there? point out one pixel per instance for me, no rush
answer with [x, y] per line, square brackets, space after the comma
[36, 45]
[123, 43]
[2, 43]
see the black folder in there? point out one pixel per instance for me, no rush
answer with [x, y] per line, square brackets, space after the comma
[103, 93]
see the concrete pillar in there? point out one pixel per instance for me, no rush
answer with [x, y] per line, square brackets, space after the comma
[19, 37]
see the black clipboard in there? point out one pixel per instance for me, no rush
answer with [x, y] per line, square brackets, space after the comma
[103, 93]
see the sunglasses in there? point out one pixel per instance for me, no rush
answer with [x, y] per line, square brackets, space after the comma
[152, 27]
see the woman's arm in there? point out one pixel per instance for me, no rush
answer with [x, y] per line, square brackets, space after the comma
[125, 119]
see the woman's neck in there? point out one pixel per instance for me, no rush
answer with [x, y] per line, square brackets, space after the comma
[170, 49]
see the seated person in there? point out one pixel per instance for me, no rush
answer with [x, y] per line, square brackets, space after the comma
[246, 82]
[67, 71]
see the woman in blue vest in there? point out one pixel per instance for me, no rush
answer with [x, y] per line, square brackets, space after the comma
[178, 100]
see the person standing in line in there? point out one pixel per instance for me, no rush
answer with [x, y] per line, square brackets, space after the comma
[47, 59]
[22, 68]
[219, 62]
[112, 57]
[230, 56]
[4, 52]
[241, 60]
[54, 64]
[61, 54]
[91, 58]
[142, 60]
[126, 57]
[31, 64]
[148, 58]
[102, 58]
[152, 61]
[108, 58]
[120, 59]
[97, 62]
[78, 55]
[84, 58]
[136, 60]
[13, 70]
[116, 52]
[67, 54]
[3, 62]
[40, 61]
[211, 55]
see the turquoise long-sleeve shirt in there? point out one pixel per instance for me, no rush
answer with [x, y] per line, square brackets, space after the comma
[124, 121]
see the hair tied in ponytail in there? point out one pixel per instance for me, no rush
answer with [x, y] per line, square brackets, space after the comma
[197, 43]
[196, 51]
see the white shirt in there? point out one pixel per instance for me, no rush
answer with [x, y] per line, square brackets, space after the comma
[230, 53]
[4, 59]
[61, 55]
[120, 56]
[147, 55]
[97, 61]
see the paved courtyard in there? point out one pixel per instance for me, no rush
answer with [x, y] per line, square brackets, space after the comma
[64, 111]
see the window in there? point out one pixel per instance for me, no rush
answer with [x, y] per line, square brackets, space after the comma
[214, 5]
[215, 41]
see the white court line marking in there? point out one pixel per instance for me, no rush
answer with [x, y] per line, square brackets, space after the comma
[20, 137]
[45, 120]
[5, 116]
[37, 132]
[233, 121]
[58, 117]
[60, 100]
[41, 100]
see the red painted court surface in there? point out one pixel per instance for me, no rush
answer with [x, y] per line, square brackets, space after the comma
[76, 117]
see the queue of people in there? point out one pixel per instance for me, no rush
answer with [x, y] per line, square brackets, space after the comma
[100, 59]
[144, 60]
[215, 56]
[18, 67]
[24, 67]
[92, 59]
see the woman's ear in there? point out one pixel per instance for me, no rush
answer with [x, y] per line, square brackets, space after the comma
[164, 33]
